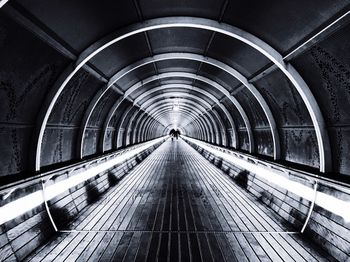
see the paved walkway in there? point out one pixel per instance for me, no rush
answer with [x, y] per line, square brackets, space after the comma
[176, 206]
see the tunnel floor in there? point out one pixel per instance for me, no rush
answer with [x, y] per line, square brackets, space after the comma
[175, 206]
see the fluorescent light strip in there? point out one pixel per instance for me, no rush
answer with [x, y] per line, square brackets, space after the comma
[330, 203]
[22, 205]
[3, 2]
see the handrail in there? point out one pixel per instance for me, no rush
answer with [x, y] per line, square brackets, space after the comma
[283, 177]
[68, 168]
[36, 192]
[290, 170]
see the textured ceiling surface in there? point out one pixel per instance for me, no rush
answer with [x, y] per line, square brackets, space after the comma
[80, 78]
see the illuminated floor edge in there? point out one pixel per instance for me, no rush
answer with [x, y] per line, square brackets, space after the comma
[176, 206]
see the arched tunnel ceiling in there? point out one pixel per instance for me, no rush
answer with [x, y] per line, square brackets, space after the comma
[79, 79]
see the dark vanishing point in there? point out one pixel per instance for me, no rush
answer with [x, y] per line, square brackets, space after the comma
[174, 130]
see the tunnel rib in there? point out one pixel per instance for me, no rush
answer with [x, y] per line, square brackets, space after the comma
[191, 113]
[210, 61]
[214, 84]
[191, 88]
[217, 87]
[186, 101]
[200, 23]
[176, 205]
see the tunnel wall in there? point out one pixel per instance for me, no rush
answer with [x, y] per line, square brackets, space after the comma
[29, 71]
[22, 235]
[26, 79]
[327, 230]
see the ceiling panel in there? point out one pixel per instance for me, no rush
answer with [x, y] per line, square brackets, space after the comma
[179, 40]
[198, 8]
[283, 23]
[218, 75]
[240, 56]
[80, 23]
[136, 75]
[121, 54]
[178, 65]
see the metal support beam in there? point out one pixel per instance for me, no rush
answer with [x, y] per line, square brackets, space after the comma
[198, 23]
[190, 110]
[215, 118]
[163, 88]
[182, 94]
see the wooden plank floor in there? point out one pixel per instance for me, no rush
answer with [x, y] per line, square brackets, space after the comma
[176, 206]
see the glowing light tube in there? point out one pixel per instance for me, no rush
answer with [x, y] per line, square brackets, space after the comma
[328, 202]
[22, 205]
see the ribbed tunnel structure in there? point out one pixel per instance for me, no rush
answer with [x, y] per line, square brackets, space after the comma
[173, 130]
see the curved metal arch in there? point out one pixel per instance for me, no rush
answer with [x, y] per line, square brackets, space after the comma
[232, 99]
[178, 94]
[163, 88]
[199, 122]
[143, 119]
[127, 127]
[116, 127]
[208, 110]
[209, 122]
[157, 106]
[186, 113]
[115, 142]
[135, 129]
[169, 103]
[228, 69]
[102, 138]
[196, 132]
[198, 23]
[156, 131]
[182, 94]
[223, 134]
[197, 119]
[188, 56]
[148, 128]
[118, 135]
[186, 101]
[169, 106]
[206, 80]
[207, 133]
[170, 126]
[192, 88]
[193, 132]
[183, 97]
[108, 118]
[103, 135]
[122, 122]
[152, 131]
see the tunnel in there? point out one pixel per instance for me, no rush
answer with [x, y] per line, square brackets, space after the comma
[174, 130]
